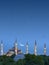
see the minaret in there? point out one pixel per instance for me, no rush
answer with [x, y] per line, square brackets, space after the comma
[16, 48]
[27, 48]
[1, 48]
[44, 49]
[35, 48]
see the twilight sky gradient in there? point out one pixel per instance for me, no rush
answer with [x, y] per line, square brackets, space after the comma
[24, 20]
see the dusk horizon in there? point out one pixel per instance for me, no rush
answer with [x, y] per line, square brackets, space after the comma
[25, 21]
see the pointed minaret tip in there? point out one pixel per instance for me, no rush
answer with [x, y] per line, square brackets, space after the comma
[27, 43]
[44, 45]
[35, 42]
[16, 41]
[1, 42]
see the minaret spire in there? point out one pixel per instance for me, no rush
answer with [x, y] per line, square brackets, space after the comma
[15, 44]
[45, 49]
[1, 48]
[35, 48]
[27, 48]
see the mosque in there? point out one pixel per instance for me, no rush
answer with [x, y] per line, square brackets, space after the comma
[16, 51]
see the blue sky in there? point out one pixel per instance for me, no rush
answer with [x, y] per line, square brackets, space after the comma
[24, 20]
